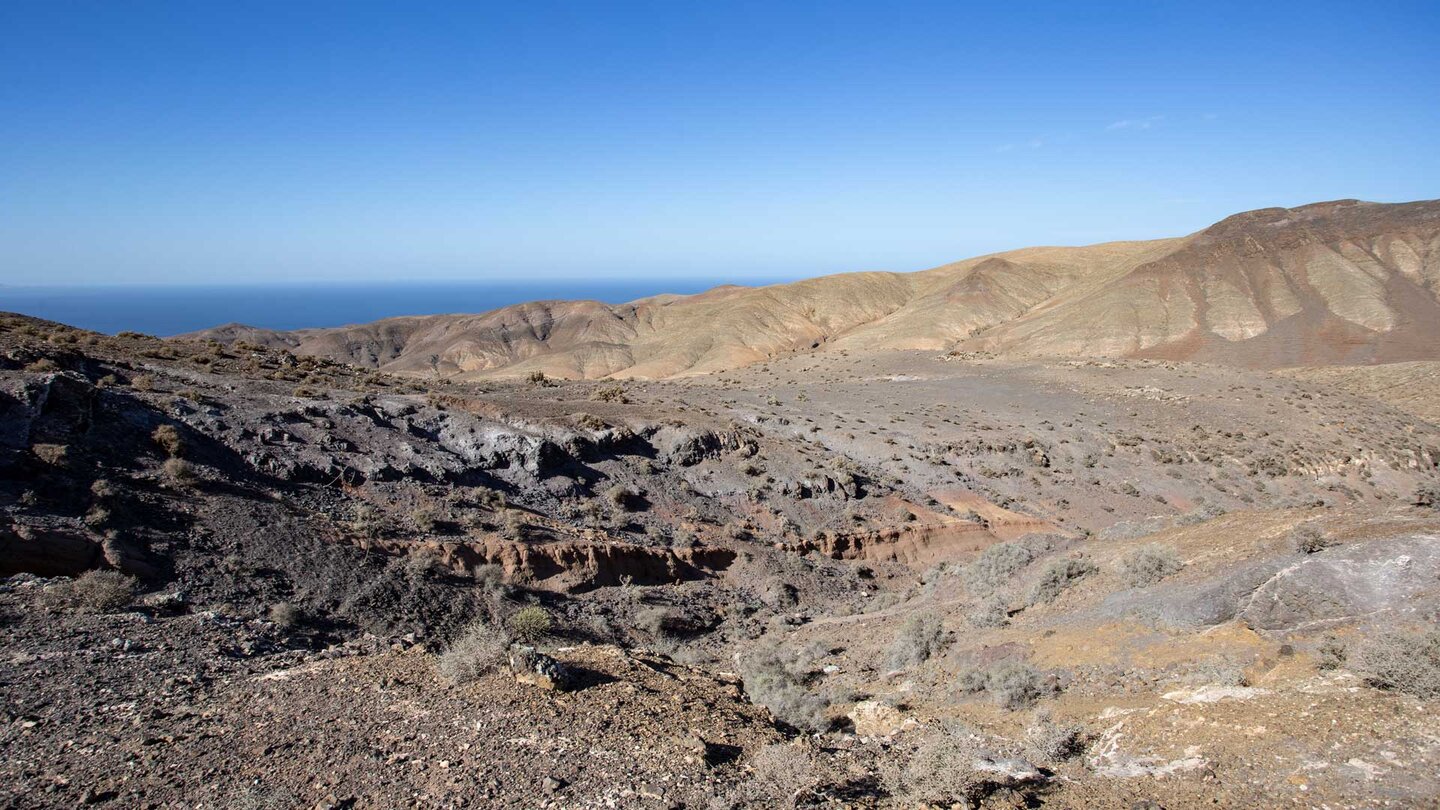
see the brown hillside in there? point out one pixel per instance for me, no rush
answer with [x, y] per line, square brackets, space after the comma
[1344, 282]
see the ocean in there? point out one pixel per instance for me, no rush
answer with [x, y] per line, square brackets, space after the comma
[173, 309]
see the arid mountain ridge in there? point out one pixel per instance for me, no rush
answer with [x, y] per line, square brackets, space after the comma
[1333, 283]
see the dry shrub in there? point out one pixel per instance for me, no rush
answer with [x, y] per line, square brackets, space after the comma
[99, 591]
[992, 611]
[624, 498]
[169, 440]
[179, 472]
[997, 564]
[56, 455]
[1148, 565]
[1048, 740]
[941, 771]
[286, 614]
[781, 775]
[783, 689]
[1403, 661]
[1010, 684]
[1058, 576]
[1427, 495]
[479, 649]
[920, 637]
[1310, 540]
[610, 393]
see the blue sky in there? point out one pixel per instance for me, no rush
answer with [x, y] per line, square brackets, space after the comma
[255, 141]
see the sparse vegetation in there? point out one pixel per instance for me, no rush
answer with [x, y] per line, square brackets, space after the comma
[98, 591]
[1011, 685]
[941, 771]
[1310, 540]
[1048, 740]
[479, 649]
[1148, 565]
[782, 687]
[286, 614]
[1403, 661]
[1059, 576]
[998, 564]
[992, 611]
[179, 472]
[168, 438]
[1427, 495]
[922, 635]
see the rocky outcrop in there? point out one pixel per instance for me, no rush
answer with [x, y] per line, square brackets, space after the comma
[569, 565]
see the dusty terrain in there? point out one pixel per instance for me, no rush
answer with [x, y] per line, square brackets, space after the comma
[885, 578]
[1334, 283]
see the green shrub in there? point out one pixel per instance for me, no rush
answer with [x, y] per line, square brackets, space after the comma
[529, 624]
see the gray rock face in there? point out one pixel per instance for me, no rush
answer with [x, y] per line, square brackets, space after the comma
[1350, 582]
[1344, 583]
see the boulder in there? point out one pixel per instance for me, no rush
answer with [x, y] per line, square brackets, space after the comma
[531, 666]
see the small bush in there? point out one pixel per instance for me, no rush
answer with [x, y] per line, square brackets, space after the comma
[55, 455]
[1330, 653]
[179, 472]
[479, 649]
[1309, 540]
[1149, 564]
[42, 366]
[780, 775]
[920, 637]
[783, 690]
[997, 564]
[1427, 495]
[491, 579]
[169, 440]
[610, 393]
[286, 614]
[426, 518]
[1403, 661]
[97, 592]
[1059, 576]
[991, 611]
[941, 772]
[624, 498]
[1012, 685]
[1047, 740]
[530, 624]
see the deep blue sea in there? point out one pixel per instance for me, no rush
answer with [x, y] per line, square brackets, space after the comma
[171, 310]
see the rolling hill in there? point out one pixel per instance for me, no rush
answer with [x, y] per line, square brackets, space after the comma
[1334, 283]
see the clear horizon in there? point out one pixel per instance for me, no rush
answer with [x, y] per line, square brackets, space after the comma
[183, 143]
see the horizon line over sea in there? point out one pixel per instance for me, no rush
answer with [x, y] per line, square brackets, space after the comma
[172, 309]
